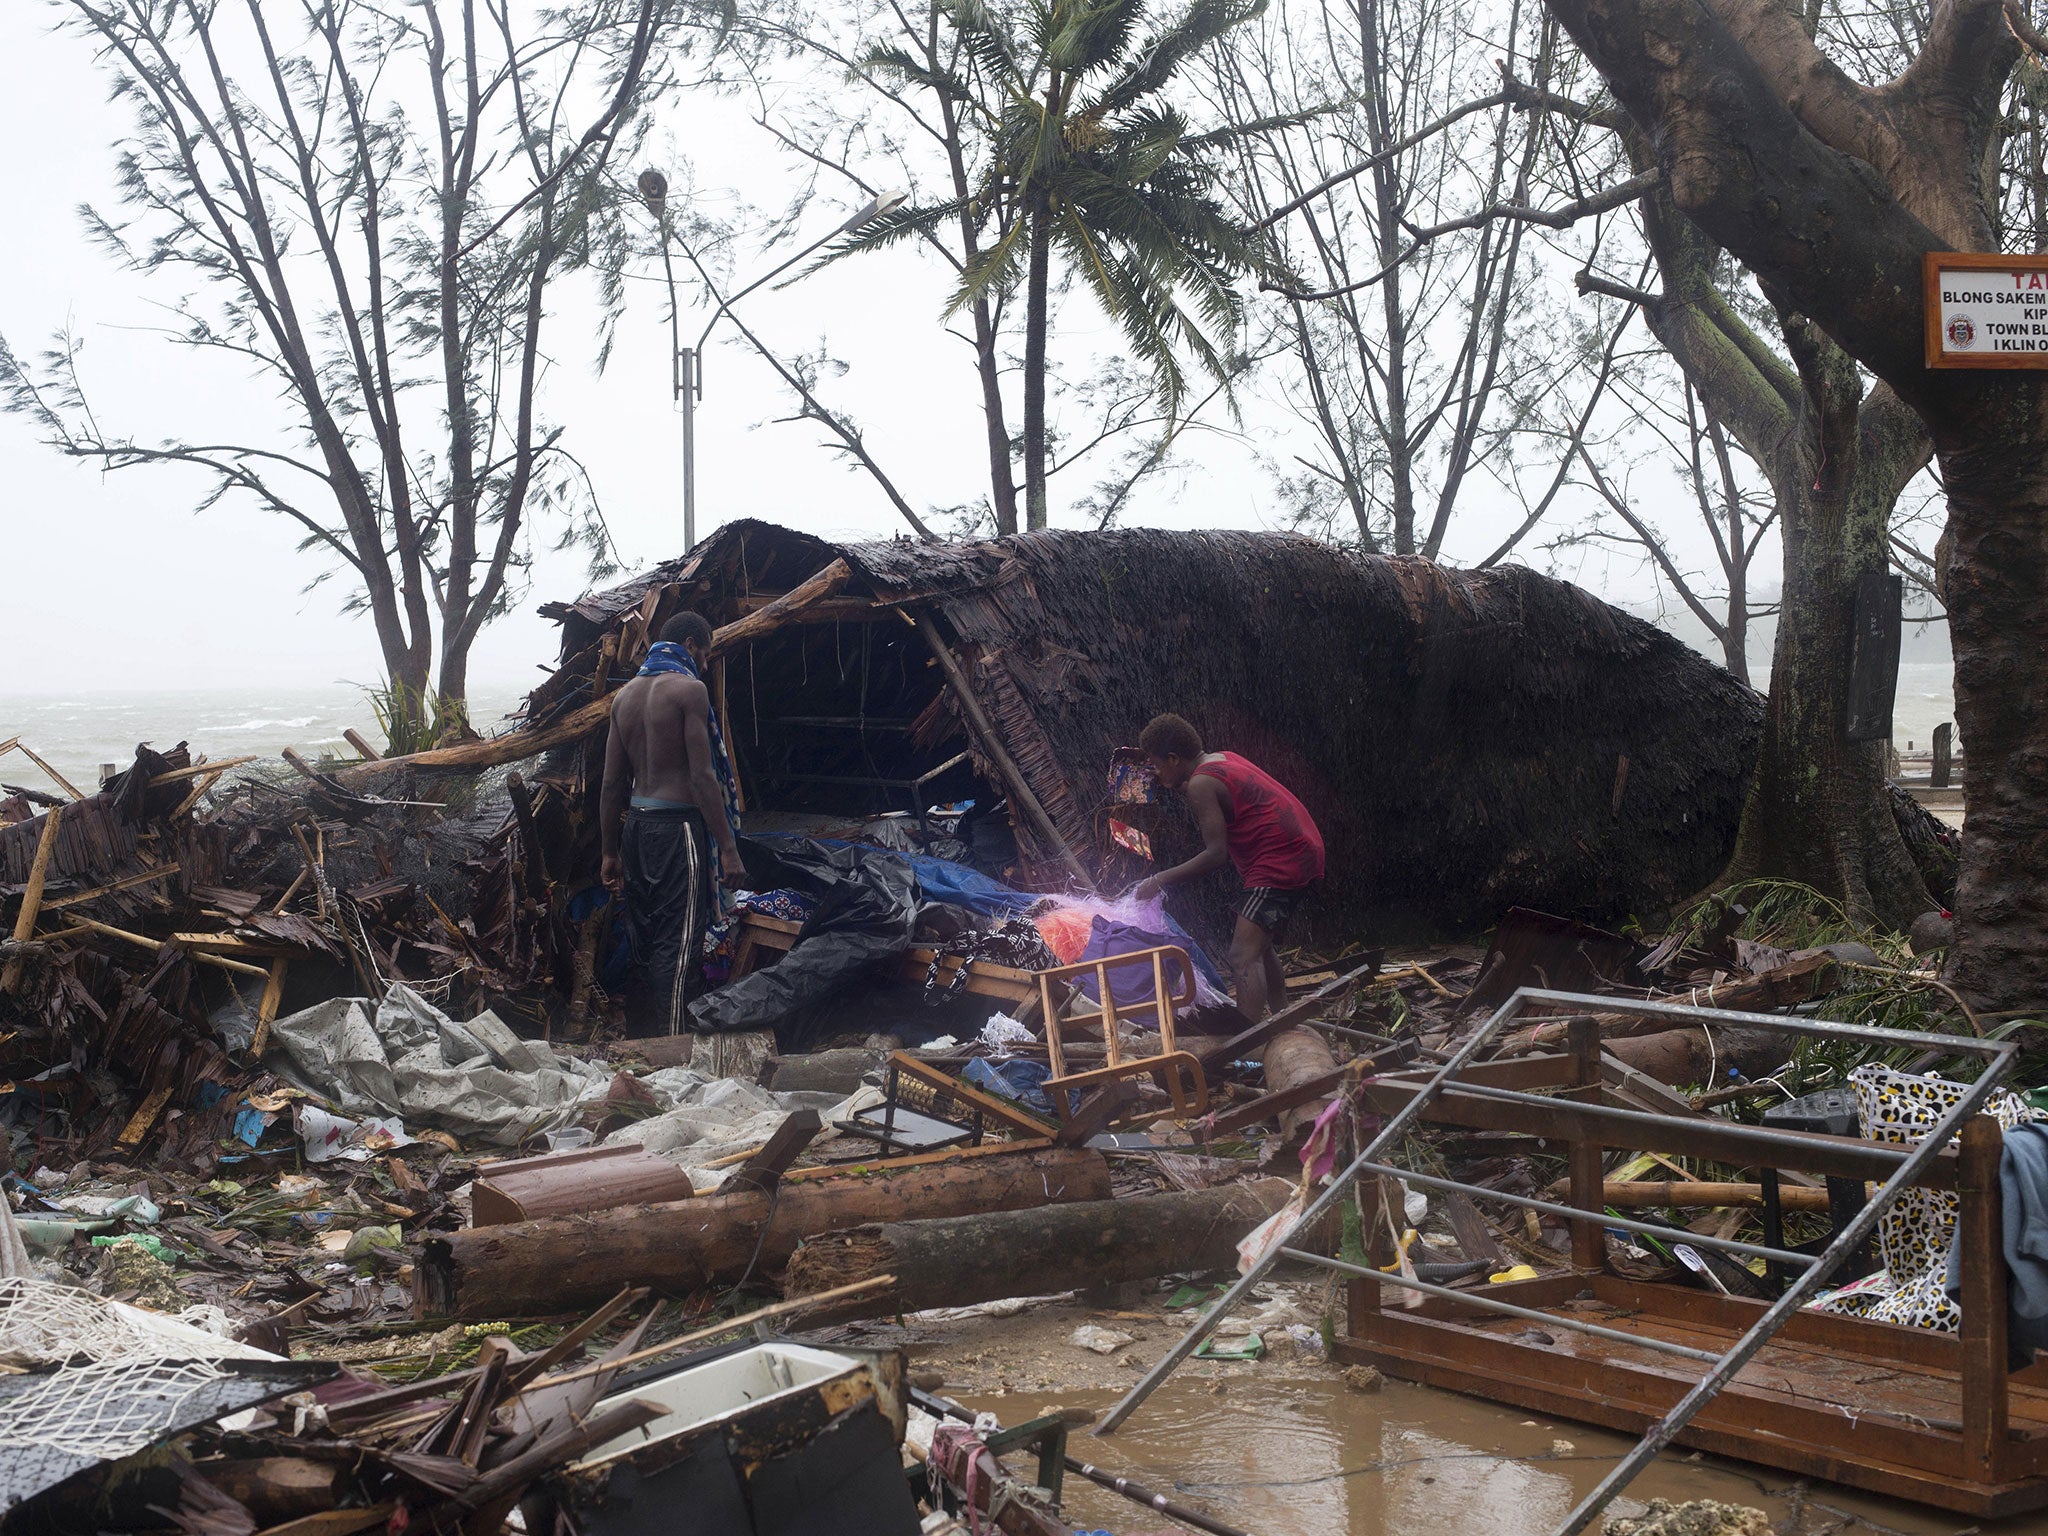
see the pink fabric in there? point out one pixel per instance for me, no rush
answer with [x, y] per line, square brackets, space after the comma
[1319, 1152]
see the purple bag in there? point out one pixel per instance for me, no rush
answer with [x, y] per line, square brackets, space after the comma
[1129, 985]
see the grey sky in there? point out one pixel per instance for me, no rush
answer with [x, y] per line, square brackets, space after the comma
[126, 587]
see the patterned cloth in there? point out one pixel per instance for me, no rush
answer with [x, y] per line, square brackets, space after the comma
[1913, 1236]
[1015, 942]
[669, 656]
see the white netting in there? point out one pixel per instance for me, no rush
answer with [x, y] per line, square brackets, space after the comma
[143, 1367]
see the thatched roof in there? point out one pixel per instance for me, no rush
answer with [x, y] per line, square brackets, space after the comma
[1467, 740]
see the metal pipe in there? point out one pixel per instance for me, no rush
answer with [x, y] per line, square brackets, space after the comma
[1392, 1128]
[1495, 1304]
[1605, 1218]
[1138, 1493]
[1763, 1140]
[1846, 1242]
[1695, 1013]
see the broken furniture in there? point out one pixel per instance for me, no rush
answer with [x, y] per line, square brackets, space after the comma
[924, 1109]
[763, 1439]
[1917, 1414]
[1175, 1070]
[759, 932]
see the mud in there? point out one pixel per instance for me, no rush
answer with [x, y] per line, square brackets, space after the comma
[1282, 1447]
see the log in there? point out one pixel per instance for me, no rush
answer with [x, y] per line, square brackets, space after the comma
[962, 1260]
[1687, 1057]
[278, 1488]
[562, 1263]
[1293, 1059]
[515, 746]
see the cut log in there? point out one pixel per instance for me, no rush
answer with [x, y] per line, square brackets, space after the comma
[562, 1263]
[1688, 1057]
[1292, 1059]
[279, 1488]
[963, 1260]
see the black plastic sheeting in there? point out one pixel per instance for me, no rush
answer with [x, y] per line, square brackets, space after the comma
[28, 1472]
[866, 914]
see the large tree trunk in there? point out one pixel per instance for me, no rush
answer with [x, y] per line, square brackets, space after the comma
[1997, 595]
[562, 1263]
[1037, 322]
[1819, 809]
[970, 1259]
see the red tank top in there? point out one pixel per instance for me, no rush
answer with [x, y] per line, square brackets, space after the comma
[1273, 839]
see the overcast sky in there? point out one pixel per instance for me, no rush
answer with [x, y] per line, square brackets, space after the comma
[115, 582]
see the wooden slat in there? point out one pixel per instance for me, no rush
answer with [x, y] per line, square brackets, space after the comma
[1983, 1300]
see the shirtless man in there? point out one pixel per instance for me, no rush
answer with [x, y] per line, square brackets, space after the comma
[1247, 818]
[667, 754]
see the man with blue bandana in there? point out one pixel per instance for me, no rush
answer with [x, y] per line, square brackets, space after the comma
[668, 798]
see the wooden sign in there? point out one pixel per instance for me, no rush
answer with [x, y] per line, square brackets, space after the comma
[1986, 311]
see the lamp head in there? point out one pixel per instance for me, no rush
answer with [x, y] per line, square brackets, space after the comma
[654, 191]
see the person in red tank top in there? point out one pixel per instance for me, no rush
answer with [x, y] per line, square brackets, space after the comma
[1249, 819]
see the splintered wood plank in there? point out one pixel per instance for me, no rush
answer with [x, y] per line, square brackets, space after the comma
[144, 1117]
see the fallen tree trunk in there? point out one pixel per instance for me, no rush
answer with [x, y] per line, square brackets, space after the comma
[969, 1259]
[561, 1263]
[1292, 1059]
[1692, 1056]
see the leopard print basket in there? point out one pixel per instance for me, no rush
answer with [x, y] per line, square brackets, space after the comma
[1913, 1236]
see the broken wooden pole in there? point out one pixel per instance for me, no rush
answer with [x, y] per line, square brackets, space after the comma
[515, 746]
[992, 744]
[561, 1263]
[962, 1260]
[765, 621]
[32, 894]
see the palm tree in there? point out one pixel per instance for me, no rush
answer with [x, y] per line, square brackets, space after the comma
[1077, 155]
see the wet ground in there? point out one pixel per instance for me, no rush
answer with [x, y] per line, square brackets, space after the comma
[1283, 1447]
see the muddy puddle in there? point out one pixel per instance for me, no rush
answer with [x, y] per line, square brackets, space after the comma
[1310, 1458]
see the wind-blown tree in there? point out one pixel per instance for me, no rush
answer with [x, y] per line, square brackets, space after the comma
[1420, 336]
[369, 206]
[1077, 150]
[1831, 190]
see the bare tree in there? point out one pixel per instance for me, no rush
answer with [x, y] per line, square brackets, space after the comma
[1418, 330]
[1735, 514]
[368, 206]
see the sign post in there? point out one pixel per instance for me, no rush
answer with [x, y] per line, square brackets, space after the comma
[1986, 311]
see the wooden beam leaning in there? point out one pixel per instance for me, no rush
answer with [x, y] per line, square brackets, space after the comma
[32, 895]
[766, 620]
[985, 736]
[514, 746]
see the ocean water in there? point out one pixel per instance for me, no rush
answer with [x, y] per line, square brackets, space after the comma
[77, 732]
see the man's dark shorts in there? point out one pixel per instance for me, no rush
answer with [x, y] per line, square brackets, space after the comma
[1272, 909]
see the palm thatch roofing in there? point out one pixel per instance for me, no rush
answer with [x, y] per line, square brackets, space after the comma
[1467, 740]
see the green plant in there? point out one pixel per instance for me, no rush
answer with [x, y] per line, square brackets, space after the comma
[413, 719]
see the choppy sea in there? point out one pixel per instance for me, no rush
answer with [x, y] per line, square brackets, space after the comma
[78, 732]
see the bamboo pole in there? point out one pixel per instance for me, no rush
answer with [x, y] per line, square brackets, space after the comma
[32, 894]
[985, 732]
[69, 788]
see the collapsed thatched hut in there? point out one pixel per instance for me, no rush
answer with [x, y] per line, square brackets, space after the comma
[1467, 740]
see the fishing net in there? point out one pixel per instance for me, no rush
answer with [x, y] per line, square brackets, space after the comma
[124, 1373]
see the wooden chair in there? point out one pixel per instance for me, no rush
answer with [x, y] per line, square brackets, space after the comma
[1176, 1070]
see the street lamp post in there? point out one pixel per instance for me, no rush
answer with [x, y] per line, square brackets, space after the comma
[687, 363]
